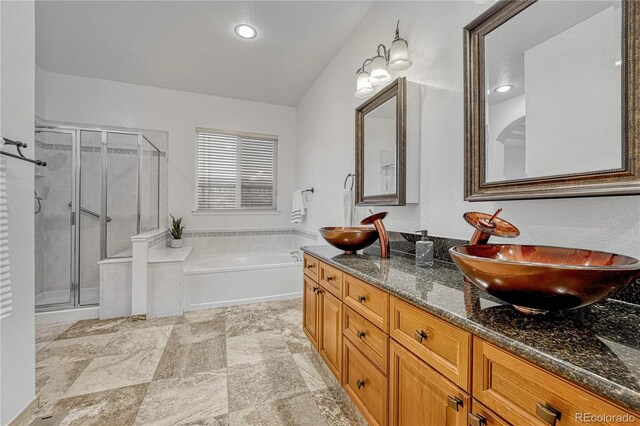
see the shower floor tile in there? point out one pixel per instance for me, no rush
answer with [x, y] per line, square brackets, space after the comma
[242, 365]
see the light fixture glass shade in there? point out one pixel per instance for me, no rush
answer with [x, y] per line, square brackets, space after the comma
[363, 85]
[399, 55]
[379, 73]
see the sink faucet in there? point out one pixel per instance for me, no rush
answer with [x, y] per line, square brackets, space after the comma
[487, 225]
[376, 220]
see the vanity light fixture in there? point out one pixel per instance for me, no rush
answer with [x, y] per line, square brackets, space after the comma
[394, 59]
[504, 88]
[245, 31]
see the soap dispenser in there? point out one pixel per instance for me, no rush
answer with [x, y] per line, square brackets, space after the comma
[424, 251]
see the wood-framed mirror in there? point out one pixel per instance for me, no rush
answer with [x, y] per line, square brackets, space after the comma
[381, 147]
[571, 128]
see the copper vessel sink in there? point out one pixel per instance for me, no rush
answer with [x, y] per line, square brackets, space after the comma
[538, 279]
[349, 239]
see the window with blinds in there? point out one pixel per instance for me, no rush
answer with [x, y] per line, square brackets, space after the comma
[236, 171]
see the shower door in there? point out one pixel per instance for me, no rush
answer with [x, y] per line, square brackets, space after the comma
[55, 244]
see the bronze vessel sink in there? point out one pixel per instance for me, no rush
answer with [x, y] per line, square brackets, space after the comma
[538, 279]
[349, 239]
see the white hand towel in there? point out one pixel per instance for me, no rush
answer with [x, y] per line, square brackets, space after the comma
[349, 207]
[298, 206]
[5, 276]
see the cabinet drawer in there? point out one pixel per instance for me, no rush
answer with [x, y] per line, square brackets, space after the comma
[311, 266]
[441, 345]
[482, 416]
[523, 394]
[365, 385]
[331, 279]
[371, 341]
[367, 300]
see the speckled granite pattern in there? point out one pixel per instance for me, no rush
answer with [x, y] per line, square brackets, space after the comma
[597, 347]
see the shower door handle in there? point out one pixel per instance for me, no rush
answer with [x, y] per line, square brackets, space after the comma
[72, 218]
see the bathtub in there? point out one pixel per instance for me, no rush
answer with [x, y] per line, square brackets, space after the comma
[211, 281]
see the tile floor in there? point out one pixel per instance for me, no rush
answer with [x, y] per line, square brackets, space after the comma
[242, 365]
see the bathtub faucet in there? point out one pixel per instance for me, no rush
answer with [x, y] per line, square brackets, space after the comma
[296, 255]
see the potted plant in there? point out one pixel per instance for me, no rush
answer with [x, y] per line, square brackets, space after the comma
[176, 232]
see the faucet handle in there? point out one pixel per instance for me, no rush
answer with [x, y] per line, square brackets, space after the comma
[487, 225]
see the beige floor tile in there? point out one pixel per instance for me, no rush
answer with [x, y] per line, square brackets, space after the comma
[92, 327]
[205, 314]
[257, 383]
[48, 332]
[136, 340]
[198, 331]
[185, 401]
[116, 371]
[250, 319]
[255, 347]
[315, 374]
[300, 410]
[113, 407]
[296, 340]
[180, 361]
[70, 350]
[336, 407]
[53, 381]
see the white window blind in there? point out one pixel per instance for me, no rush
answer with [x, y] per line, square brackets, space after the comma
[236, 171]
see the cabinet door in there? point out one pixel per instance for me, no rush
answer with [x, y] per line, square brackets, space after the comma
[310, 310]
[419, 395]
[330, 340]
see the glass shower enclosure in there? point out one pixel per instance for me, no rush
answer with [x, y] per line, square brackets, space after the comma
[100, 188]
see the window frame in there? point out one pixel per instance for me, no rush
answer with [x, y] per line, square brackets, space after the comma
[238, 209]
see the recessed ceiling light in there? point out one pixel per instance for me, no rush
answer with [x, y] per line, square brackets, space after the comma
[504, 88]
[246, 31]
[618, 62]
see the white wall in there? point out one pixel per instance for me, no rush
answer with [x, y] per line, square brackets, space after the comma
[86, 100]
[325, 141]
[500, 116]
[575, 71]
[17, 341]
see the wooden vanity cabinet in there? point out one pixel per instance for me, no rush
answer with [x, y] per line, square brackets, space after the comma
[401, 365]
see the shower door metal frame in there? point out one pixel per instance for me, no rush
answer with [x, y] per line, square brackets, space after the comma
[76, 187]
[74, 237]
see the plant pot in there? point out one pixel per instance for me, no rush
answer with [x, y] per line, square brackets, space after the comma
[176, 243]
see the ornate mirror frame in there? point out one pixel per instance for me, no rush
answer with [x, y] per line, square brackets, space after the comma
[398, 89]
[622, 181]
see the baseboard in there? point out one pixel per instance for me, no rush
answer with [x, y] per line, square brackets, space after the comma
[225, 303]
[24, 417]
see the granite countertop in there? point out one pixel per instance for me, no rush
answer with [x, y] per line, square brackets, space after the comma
[597, 347]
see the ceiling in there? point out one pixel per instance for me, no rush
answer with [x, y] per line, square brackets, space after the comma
[191, 46]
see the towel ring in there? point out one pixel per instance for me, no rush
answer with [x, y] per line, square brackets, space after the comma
[353, 179]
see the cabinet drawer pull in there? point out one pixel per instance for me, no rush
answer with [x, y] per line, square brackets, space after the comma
[360, 383]
[315, 289]
[329, 279]
[310, 266]
[360, 334]
[454, 402]
[361, 299]
[547, 413]
[477, 420]
[421, 335]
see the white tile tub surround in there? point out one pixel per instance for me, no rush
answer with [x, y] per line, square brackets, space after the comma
[247, 240]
